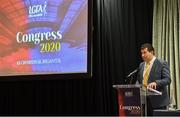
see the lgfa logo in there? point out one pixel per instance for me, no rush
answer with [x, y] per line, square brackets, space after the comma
[38, 10]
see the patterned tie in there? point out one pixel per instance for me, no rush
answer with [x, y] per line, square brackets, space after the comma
[146, 74]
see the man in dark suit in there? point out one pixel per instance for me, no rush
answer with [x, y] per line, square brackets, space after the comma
[154, 73]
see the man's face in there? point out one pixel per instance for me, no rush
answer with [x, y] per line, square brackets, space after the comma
[146, 55]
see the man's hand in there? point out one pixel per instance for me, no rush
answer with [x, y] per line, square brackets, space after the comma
[152, 85]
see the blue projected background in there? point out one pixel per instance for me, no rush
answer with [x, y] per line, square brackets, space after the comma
[43, 36]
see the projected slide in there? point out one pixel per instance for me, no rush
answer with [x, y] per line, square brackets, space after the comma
[43, 37]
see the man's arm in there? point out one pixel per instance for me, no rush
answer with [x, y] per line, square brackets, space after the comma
[165, 77]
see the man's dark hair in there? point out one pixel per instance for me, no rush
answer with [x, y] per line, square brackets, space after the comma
[148, 46]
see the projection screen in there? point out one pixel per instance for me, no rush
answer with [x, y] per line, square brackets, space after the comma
[43, 37]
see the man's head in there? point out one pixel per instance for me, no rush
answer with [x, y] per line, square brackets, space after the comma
[147, 52]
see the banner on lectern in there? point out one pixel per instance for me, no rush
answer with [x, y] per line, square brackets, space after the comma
[129, 101]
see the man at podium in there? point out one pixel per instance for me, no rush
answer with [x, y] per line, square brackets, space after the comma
[154, 73]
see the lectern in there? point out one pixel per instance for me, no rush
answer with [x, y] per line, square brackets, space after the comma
[131, 99]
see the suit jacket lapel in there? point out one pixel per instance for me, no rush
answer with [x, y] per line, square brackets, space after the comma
[152, 72]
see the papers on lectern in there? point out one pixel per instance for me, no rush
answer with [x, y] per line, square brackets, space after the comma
[153, 90]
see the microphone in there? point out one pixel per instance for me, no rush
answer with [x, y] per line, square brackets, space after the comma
[133, 72]
[129, 77]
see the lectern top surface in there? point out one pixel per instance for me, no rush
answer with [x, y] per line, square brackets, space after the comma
[126, 86]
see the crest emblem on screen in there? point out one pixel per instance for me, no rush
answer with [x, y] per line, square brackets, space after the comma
[38, 10]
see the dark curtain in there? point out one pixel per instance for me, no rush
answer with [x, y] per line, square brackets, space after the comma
[120, 27]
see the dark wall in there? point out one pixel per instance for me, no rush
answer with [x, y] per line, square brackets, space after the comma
[120, 27]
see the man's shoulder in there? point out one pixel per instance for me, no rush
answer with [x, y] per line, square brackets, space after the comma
[160, 61]
[142, 63]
